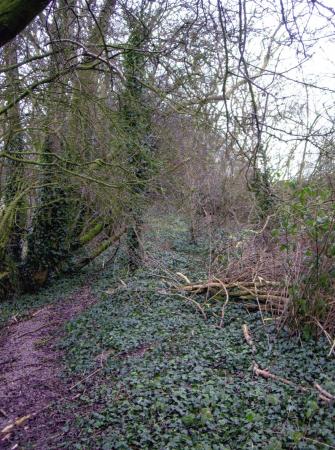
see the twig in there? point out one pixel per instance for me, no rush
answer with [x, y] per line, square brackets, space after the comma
[86, 378]
[325, 395]
[223, 310]
[184, 277]
[332, 348]
[248, 338]
[20, 421]
[317, 442]
[267, 374]
[195, 303]
[38, 329]
[3, 412]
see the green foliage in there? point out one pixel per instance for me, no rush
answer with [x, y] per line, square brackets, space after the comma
[46, 242]
[6, 279]
[7, 218]
[307, 226]
[175, 381]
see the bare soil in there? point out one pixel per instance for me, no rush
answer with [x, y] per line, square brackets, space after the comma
[30, 375]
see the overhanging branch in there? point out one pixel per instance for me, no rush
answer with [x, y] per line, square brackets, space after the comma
[15, 15]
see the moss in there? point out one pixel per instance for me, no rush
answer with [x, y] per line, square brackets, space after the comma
[91, 233]
[7, 219]
[102, 248]
[15, 16]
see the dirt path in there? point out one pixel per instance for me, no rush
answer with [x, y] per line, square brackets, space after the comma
[30, 372]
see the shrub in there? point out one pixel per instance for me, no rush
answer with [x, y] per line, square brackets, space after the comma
[306, 236]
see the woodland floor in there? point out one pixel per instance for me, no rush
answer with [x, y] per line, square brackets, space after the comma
[30, 372]
[117, 361]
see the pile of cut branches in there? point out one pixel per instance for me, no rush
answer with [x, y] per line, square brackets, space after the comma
[261, 294]
[253, 268]
[250, 272]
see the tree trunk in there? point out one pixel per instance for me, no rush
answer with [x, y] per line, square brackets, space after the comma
[15, 169]
[136, 121]
[15, 15]
[134, 244]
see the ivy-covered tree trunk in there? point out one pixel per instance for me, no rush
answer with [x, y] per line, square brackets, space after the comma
[48, 243]
[136, 118]
[261, 187]
[49, 240]
[8, 269]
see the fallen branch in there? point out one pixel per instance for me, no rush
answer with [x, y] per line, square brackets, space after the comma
[184, 277]
[223, 310]
[262, 292]
[264, 373]
[323, 394]
[20, 421]
[248, 338]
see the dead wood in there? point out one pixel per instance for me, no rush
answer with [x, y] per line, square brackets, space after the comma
[264, 373]
[248, 337]
[266, 293]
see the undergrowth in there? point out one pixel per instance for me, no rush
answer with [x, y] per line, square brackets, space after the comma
[20, 307]
[153, 374]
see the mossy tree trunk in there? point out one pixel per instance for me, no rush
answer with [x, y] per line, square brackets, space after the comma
[15, 15]
[80, 136]
[13, 216]
[14, 144]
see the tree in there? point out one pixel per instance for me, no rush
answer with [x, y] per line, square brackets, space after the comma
[105, 101]
[14, 144]
[15, 15]
[136, 123]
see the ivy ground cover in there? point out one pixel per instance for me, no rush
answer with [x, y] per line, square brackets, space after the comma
[154, 374]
